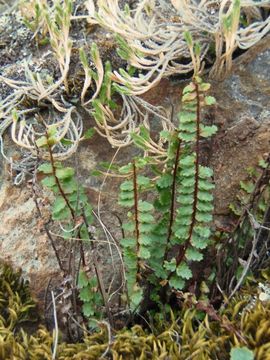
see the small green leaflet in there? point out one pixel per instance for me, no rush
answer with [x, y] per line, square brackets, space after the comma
[52, 130]
[48, 181]
[129, 226]
[184, 199]
[126, 202]
[187, 137]
[165, 134]
[145, 228]
[203, 217]
[165, 181]
[182, 233]
[62, 214]
[126, 195]
[185, 210]
[42, 141]
[82, 280]
[139, 141]
[206, 131]
[143, 181]
[65, 173]
[136, 296]
[188, 161]
[184, 221]
[184, 271]
[146, 218]
[205, 196]
[88, 309]
[206, 185]
[145, 240]
[170, 265]
[209, 100]
[145, 206]
[248, 186]
[205, 207]
[144, 253]
[193, 254]
[189, 88]
[188, 127]
[127, 186]
[128, 242]
[202, 231]
[59, 204]
[204, 86]
[187, 117]
[205, 172]
[241, 353]
[199, 243]
[188, 182]
[84, 294]
[46, 168]
[69, 185]
[125, 169]
[177, 282]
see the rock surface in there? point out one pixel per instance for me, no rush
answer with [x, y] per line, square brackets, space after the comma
[242, 116]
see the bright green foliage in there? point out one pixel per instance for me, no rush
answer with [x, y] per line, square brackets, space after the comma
[72, 208]
[62, 182]
[137, 230]
[105, 96]
[89, 295]
[183, 202]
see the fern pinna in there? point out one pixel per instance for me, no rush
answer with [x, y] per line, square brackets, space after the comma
[163, 239]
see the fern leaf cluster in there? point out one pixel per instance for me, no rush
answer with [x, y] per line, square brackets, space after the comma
[176, 227]
[138, 229]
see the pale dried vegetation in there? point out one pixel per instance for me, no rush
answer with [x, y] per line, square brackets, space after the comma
[152, 40]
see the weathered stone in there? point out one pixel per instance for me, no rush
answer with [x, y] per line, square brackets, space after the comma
[22, 244]
[243, 119]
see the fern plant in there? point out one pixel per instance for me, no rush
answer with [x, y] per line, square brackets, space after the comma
[141, 223]
[163, 240]
[71, 207]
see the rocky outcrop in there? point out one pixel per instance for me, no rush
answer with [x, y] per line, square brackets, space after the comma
[242, 116]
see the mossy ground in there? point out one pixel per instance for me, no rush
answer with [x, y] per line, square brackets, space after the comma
[195, 331]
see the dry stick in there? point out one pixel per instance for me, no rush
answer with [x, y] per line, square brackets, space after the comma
[56, 328]
[247, 266]
[98, 273]
[212, 313]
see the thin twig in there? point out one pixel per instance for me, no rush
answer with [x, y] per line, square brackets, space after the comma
[55, 327]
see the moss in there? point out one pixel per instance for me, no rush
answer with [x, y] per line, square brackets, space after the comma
[187, 336]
